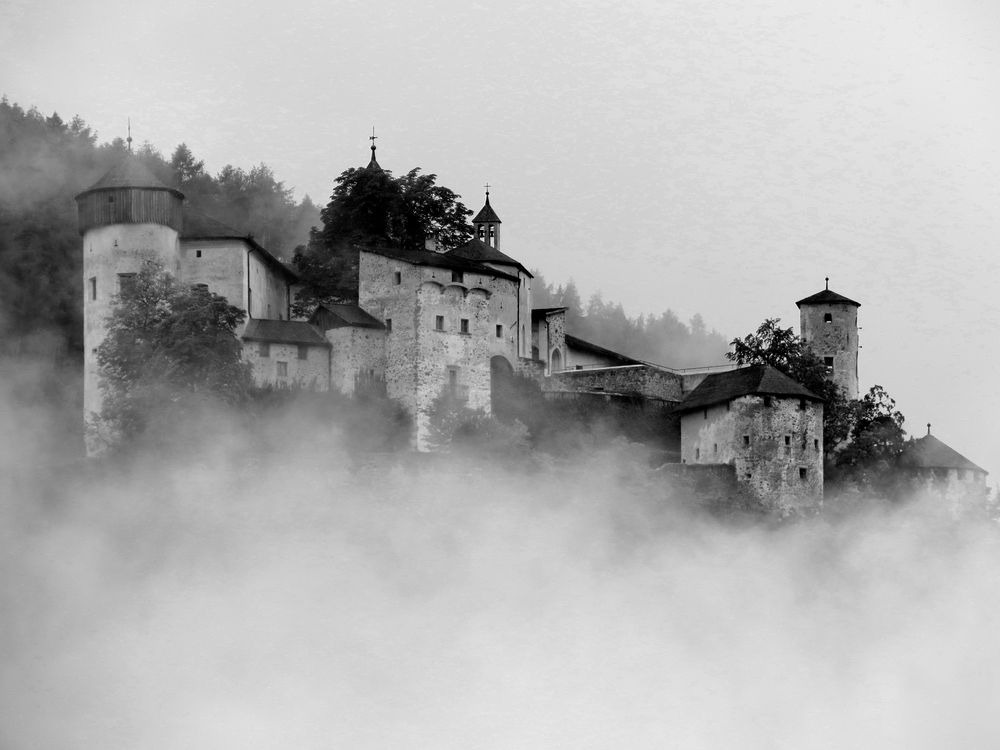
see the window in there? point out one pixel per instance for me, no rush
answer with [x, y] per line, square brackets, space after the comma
[748, 475]
[303, 351]
[828, 363]
[802, 404]
[282, 369]
[803, 473]
[705, 414]
[397, 277]
[197, 253]
[479, 232]
[493, 233]
[458, 276]
[827, 318]
[715, 448]
[697, 453]
[788, 445]
[746, 441]
[767, 400]
[264, 349]
[388, 325]
[816, 444]
[439, 323]
[93, 287]
[464, 325]
[500, 334]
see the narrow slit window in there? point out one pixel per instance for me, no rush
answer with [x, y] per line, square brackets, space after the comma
[746, 441]
[439, 323]
[397, 277]
[388, 325]
[93, 287]
[816, 444]
[197, 253]
[464, 325]
[499, 331]
[697, 453]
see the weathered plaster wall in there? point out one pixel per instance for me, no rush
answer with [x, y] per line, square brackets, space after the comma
[357, 354]
[837, 339]
[222, 266]
[642, 379]
[268, 290]
[107, 252]
[312, 372]
[420, 357]
[767, 445]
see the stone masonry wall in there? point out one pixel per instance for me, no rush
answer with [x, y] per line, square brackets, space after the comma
[356, 353]
[769, 447]
[837, 338]
[312, 372]
[642, 379]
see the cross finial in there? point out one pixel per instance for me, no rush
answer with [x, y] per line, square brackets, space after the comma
[828, 283]
[487, 186]
[372, 137]
[129, 139]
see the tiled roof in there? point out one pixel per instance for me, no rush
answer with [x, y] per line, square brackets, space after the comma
[130, 172]
[284, 332]
[439, 260]
[827, 297]
[585, 346]
[487, 214]
[481, 252]
[930, 453]
[763, 380]
[199, 226]
[326, 317]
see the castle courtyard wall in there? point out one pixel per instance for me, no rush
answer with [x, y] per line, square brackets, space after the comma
[357, 355]
[311, 372]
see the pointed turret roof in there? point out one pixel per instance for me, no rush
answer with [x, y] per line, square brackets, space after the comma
[130, 173]
[486, 214]
[930, 453]
[827, 297]
[762, 380]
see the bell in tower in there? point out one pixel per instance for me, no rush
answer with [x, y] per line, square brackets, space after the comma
[487, 223]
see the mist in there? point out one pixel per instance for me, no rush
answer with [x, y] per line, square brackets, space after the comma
[305, 596]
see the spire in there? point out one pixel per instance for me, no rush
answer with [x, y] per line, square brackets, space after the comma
[928, 428]
[373, 164]
[487, 223]
[129, 139]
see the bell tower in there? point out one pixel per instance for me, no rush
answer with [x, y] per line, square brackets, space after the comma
[487, 224]
[127, 218]
[828, 324]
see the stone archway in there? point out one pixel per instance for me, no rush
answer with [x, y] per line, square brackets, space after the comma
[555, 361]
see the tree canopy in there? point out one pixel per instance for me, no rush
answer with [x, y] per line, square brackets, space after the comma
[169, 349]
[369, 207]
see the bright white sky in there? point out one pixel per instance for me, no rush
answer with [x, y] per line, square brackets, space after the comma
[719, 157]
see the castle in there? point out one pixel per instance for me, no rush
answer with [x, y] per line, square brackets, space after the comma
[430, 322]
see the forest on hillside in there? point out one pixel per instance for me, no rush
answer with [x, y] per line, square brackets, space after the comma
[45, 161]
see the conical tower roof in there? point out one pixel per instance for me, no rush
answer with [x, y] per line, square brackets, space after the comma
[130, 173]
[486, 214]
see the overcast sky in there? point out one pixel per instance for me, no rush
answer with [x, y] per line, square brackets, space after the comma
[713, 157]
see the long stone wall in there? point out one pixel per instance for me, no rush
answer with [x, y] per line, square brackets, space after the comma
[644, 380]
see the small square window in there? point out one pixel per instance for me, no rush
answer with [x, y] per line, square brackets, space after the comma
[303, 351]
[827, 318]
[439, 323]
[767, 400]
[388, 325]
[746, 441]
[499, 331]
[282, 369]
[828, 362]
[802, 404]
[397, 277]
[748, 475]
[464, 325]
[263, 349]
[803, 473]
[458, 277]
[197, 253]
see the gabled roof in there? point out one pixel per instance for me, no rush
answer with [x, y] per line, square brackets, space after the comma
[326, 317]
[930, 453]
[541, 312]
[762, 380]
[130, 173]
[486, 214]
[481, 252]
[438, 260]
[284, 332]
[585, 346]
[199, 226]
[827, 297]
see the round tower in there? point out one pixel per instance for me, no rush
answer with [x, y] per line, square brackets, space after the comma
[828, 324]
[127, 218]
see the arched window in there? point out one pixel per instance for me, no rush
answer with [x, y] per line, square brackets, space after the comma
[556, 361]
